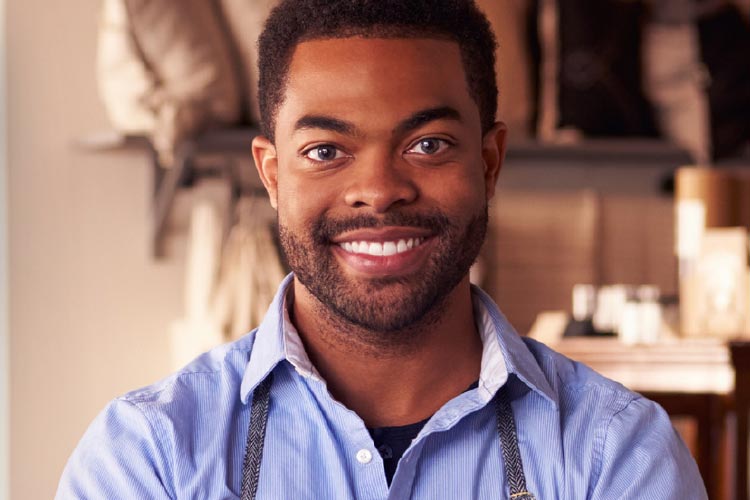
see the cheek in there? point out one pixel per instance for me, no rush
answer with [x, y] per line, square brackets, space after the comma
[461, 183]
[299, 202]
[458, 193]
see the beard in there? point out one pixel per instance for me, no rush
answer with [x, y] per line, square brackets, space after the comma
[387, 304]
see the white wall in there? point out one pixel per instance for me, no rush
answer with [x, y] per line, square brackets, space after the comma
[89, 307]
[4, 355]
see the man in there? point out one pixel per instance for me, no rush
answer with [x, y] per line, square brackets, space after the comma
[379, 371]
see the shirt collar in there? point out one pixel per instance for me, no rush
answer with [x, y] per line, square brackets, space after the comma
[517, 358]
[504, 352]
[268, 346]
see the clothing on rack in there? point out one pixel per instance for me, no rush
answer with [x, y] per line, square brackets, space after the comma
[230, 282]
[199, 329]
[251, 268]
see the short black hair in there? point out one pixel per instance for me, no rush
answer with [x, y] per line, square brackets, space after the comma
[292, 22]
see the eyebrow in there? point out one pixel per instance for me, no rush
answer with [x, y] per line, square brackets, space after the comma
[413, 122]
[325, 123]
[425, 116]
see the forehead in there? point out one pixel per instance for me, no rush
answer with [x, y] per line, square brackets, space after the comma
[374, 79]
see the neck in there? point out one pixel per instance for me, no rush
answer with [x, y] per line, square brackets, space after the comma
[398, 379]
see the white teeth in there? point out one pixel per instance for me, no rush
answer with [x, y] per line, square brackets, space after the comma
[375, 249]
[389, 248]
[379, 249]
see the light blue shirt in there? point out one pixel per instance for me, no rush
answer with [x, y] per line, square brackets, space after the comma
[580, 435]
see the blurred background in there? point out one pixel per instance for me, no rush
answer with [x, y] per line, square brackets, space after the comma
[134, 233]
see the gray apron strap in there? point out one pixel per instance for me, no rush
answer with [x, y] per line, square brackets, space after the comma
[256, 435]
[506, 428]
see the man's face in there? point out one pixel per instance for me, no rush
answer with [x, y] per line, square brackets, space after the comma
[380, 175]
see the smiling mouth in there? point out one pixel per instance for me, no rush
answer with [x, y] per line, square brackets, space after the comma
[381, 248]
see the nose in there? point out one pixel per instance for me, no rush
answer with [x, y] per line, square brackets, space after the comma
[380, 184]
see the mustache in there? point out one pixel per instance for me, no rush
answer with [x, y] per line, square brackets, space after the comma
[327, 228]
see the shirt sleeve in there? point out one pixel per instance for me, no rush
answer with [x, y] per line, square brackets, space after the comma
[117, 458]
[644, 457]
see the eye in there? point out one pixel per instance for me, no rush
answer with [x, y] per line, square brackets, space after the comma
[323, 152]
[429, 146]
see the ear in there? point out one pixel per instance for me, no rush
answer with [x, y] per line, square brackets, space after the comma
[493, 155]
[267, 163]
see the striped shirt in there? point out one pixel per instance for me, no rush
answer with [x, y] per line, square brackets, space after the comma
[580, 435]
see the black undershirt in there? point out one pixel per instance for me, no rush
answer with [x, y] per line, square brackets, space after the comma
[392, 442]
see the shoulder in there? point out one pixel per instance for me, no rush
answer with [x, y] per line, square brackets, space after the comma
[209, 375]
[144, 433]
[630, 439]
[588, 402]
[572, 380]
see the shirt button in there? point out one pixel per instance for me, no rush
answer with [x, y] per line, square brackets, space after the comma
[364, 456]
[386, 452]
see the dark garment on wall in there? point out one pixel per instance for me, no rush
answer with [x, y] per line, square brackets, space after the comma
[725, 50]
[600, 68]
